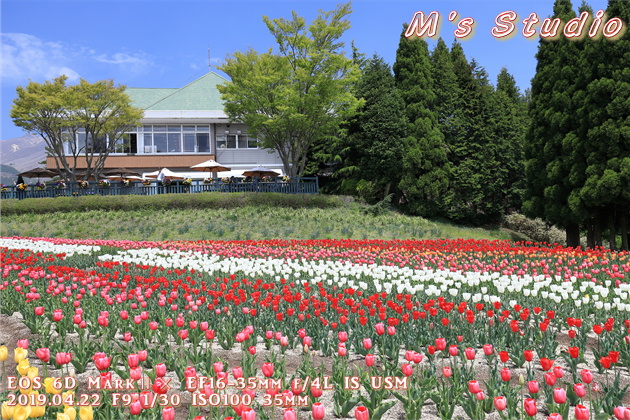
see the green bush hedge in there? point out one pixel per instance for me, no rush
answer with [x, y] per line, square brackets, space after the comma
[169, 201]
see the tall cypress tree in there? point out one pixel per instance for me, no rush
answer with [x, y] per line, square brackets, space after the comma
[374, 146]
[425, 164]
[475, 193]
[553, 139]
[605, 118]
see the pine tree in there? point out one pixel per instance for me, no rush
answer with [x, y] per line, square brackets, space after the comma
[425, 164]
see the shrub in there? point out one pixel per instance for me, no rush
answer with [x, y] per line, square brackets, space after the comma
[536, 230]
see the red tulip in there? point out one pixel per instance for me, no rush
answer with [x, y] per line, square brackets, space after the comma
[369, 360]
[440, 343]
[506, 375]
[407, 370]
[267, 369]
[500, 403]
[529, 355]
[39, 310]
[530, 407]
[447, 372]
[532, 387]
[160, 386]
[504, 356]
[581, 412]
[318, 411]
[417, 357]
[621, 413]
[343, 336]
[127, 336]
[574, 352]
[43, 354]
[550, 379]
[470, 353]
[102, 363]
[361, 413]
[546, 364]
[135, 373]
[558, 371]
[316, 391]
[63, 358]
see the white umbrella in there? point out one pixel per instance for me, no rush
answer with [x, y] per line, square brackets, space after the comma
[210, 165]
[167, 173]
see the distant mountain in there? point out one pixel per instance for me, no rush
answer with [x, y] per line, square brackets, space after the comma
[21, 153]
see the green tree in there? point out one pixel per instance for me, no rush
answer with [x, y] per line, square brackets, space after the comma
[373, 148]
[298, 96]
[604, 116]
[554, 162]
[100, 113]
[425, 164]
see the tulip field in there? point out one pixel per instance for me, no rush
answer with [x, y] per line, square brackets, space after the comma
[313, 329]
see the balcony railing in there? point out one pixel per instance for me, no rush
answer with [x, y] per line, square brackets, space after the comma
[293, 186]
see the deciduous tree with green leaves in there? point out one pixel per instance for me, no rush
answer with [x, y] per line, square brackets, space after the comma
[101, 112]
[299, 94]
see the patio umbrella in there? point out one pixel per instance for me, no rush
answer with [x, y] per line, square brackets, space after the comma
[211, 166]
[38, 173]
[120, 172]
[259, 172]
[122, 178]
[167, 173]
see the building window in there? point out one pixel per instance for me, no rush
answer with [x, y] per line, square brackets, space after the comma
[236, 141]
[127, 144]
[176, 139]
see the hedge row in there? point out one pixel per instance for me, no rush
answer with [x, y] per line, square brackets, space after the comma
[210, 200]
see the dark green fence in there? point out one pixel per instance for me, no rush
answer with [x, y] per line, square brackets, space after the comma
[294, 186]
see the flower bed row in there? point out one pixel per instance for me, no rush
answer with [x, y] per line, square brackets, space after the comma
[478, 328]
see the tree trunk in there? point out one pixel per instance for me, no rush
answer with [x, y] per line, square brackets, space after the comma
[590, 235]
[624, 232]
[597, 232]
[573, 235]
[612, 231]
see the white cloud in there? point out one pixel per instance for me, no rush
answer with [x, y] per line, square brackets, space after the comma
[134, 62]
[26, 57]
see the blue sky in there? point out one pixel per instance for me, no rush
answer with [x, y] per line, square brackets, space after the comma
[164, 43]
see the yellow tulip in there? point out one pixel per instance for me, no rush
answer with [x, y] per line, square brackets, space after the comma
[37, 410]
[67, 398]
[49, 385]
[21, 412]
[86, 413]
[19, 354]
[4, 353]
[23, 367]
[7, 411]
[32, 373]
[71, 412]
[62, 416]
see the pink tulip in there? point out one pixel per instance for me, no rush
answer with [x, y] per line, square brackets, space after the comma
[380, 328]
[168, 413]
[621, 413]
[533, 387]
[289, 414]
[440, 343]
[554, 416]
[530, 407]
[587, 376]
[343, 336]
[580, 390]
[453, 350]
[488, 349]
[318, 411]
[367, 343]
[160, 370]
[506, 375]
[500, 403]
[237, 372]
[559, 395]
[133, 360]
[473, 387]
[248, 414]
[43, 354]
[361, 413]
[470, 353]
[447, 372]
[135, 408]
